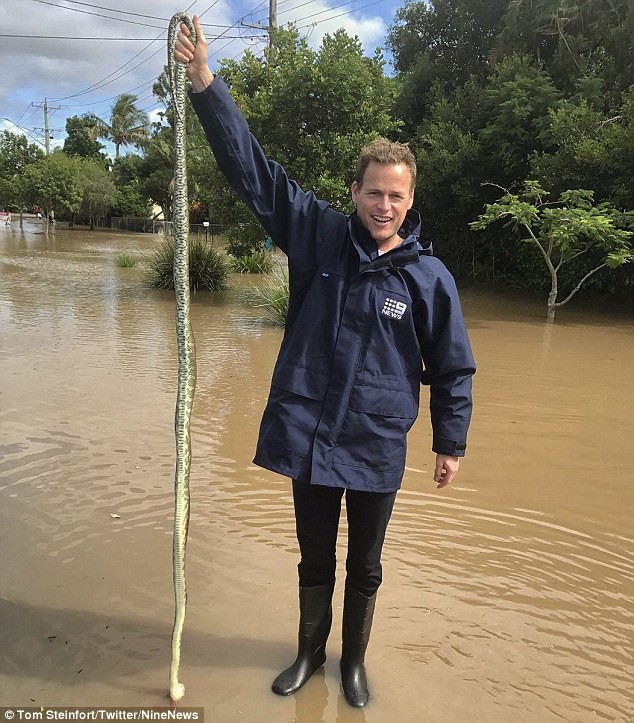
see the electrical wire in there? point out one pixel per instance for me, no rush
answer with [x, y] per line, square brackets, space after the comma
[99, 38]
[123, 12]
[143, 87]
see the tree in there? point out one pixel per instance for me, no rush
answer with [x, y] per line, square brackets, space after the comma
[55, 182]
[564, 233]
[128, 124]
[516, 102]
[81, 138]
[16, 155]
[581, 142]
[157, 169]
[98, 192]
[456, 36]
[127, 175]
[573, 39]
[441, 41]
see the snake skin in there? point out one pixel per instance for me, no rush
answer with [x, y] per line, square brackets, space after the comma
[185, 344]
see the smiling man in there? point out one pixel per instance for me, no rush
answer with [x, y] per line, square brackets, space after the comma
[384, 191]
[372, 315]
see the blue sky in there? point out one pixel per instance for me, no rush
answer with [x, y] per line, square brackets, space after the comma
[84, 64]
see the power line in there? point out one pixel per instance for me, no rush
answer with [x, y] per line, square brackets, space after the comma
[106, 81]
[223, 35]
[328, 10]
[122, 12]
[24, 130]
[75, 37]
[99, 15]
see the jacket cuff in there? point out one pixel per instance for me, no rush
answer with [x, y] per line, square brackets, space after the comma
[442, 445]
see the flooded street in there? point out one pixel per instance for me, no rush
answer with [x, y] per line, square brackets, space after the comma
[508, 597]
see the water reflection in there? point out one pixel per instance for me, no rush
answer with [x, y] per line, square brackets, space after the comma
[506, 597]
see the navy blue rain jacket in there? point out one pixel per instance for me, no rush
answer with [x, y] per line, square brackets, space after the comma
[363, 331]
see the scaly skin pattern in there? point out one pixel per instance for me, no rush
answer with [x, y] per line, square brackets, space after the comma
[186, 350]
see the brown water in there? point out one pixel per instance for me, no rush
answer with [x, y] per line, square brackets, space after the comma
[507, 597]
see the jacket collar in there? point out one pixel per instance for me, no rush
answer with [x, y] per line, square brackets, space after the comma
[408, 251]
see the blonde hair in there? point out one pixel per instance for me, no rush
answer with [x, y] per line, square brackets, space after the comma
[385, 152]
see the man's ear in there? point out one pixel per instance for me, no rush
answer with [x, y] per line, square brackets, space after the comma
[355, 191]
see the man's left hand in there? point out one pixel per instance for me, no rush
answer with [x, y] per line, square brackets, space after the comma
[446, 469]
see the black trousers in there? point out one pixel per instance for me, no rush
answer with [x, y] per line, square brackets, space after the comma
[317, 512]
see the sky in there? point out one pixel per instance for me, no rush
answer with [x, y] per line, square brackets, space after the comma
[77, 57]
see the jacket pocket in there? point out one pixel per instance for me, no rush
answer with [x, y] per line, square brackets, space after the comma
[373, 435]
[309, 381]
[383, 401]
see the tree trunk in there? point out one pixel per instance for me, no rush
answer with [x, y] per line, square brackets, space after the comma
[552, 296]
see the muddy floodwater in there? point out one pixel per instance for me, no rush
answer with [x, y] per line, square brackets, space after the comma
[507, 598]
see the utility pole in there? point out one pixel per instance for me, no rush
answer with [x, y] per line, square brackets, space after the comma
[272, 17]
[272, 21]
[46, 107]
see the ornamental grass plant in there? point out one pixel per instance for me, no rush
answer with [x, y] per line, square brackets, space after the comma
[208, 267]
[272, 296]
[124, 261]
[259, 262]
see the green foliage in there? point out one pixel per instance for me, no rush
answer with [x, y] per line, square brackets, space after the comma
[563, 233]
[526, 89]
[128, 124]
[125, 261]
[583, 143]
[272, 296]
[582, 38]
[55, 182]
[98, 190]
[517, 100]
[157, 170]
[16, 155]
[81, 138]
[258, 262]
[127, 174]
[440, 41]
[244, 239]
[208, 267]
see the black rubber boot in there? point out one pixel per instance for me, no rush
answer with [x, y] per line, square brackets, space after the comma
[315, 619]
[358, 611]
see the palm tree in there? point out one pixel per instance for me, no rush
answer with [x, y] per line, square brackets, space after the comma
[128, 124]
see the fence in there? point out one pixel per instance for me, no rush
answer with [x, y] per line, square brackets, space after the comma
[150, 225]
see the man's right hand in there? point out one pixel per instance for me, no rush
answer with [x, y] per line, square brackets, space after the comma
[196, 58]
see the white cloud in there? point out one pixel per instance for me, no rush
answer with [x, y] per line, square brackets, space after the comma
[317, 19]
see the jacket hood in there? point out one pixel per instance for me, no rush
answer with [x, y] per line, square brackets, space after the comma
[408, 251]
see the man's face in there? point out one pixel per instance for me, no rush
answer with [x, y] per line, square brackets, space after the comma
[382, 200]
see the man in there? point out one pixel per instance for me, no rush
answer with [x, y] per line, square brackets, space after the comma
[371, 315]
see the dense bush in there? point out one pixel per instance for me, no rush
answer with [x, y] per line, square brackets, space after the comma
[245, 239]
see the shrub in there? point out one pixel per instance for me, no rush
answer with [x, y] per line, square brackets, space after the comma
[272, 296]
[124, 261]
[208, 267]
[245, 239]
[256, 263]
